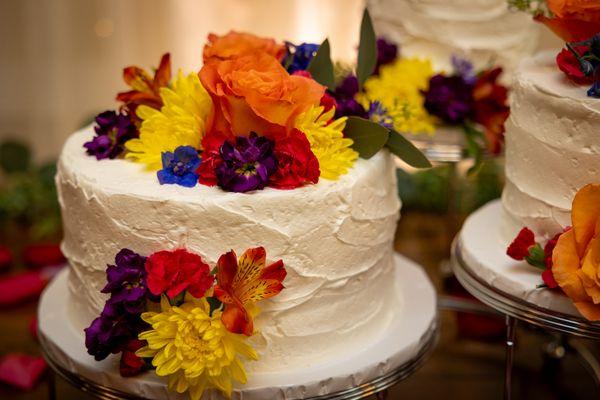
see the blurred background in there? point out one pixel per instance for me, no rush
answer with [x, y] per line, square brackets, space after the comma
[61, 64]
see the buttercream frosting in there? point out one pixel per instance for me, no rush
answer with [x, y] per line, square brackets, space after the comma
[334, 237]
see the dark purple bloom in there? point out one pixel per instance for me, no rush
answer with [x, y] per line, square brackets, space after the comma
[387, 52]
[347, 88]
[120, 319]
[297, 58]
[112, 131]
[449, 98]
[247, 165]
[180, 167]
[464, 68]
[345, 104]
[594, 91]
[378, 113]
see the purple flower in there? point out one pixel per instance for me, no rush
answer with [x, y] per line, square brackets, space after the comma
[347, 89]
[180, 167]
[464, 68]
[449, 98]
[120, 319]
[387, 52]
[112, 131]
[345, 103]
[247, 165]
[297, 58]
[378, 113]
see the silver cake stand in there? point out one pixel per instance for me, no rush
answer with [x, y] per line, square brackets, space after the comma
[396, 355]
[516, 308]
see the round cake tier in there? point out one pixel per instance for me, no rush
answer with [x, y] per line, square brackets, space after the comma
[334, 237]
[484, 31]
[552, 147]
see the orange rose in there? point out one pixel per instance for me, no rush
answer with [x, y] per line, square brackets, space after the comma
[573, 20]
[255, 93]
[576, 257]
[236, 44]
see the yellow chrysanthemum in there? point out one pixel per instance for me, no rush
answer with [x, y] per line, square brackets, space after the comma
[327, 141]
[194, 349]
[398, 88]
[180, 122]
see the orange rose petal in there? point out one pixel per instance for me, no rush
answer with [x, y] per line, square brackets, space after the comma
[589, 311]
[565, 264]
[589, 270]
[585, 213]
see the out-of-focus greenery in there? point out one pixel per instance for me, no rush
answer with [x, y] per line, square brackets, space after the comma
[434, 189]
[27, 193]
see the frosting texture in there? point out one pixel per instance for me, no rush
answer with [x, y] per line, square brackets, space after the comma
[335, 238]
[552, 147]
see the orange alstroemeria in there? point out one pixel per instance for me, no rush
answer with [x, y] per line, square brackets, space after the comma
[573, 20]
[243, 282]
[145, 89]
[576, 257]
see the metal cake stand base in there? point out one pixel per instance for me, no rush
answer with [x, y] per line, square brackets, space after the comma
[369, 371]
[481, 266]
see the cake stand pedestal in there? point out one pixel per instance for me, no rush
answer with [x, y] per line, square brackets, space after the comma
[369, 371]
[512, 288]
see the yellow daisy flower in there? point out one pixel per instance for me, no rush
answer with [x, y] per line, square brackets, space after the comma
[180, 122]
[194, 349]
[398, 88]
[327, 141]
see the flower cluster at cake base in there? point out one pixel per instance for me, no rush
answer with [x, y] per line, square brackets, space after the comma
[571, 259]
[257, 114]
[171, 313]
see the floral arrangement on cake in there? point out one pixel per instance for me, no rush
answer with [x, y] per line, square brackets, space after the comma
[578, 23]
[171, 313]
[258, 114]
[571, 259]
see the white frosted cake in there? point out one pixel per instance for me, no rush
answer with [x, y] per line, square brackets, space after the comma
[483, 31]
[552, 148]
[335, 238]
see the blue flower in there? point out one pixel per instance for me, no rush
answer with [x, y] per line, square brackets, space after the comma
[594, 91]
[378, 113]
[180, 167]
[297, 58]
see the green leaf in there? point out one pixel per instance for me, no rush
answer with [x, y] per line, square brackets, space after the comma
[14, 157]
[367, 49]
[214, 270]
[536, 256]
[369, 137]
[214, 304]
[407, 151]
[321, 67]
[475, 142]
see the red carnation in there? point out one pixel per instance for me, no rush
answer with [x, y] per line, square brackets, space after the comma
[211, 143]
[130, 364]
[175, 271]
[327, 101]
[491, 109]
[296, 163]
[567, 62]
[519, 248]
[42, 255]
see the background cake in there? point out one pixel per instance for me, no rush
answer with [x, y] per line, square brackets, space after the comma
[552, 148]
[335, 238]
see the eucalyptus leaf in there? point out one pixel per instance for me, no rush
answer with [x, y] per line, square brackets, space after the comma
[369, 137]
[367, 49]
[406, 151]
[14, 157]
[214, 304]
[475, 140]
[321, 67]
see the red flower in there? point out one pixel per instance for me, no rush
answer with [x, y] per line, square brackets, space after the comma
[327, 101]
[6, 258]
[42, 255]
[145, 90]
[21, 370]
[491, 109]
[211, 159]
[130, 364]
[175, 271]
[519, 248]
[296, 163]
[241, 283]
[567, 62]
[548, 278]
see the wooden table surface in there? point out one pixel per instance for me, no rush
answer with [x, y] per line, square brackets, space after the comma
[459, 369]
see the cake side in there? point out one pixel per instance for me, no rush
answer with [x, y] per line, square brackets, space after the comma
[552, 148]
[335, 237]
[484, 31]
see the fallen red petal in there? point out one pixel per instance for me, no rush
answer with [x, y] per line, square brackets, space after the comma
[21, 370]
[21, 287]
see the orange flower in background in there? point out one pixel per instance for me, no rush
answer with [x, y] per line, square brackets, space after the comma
[573, 20]
[145, 89]
[236, 44]
[243, 282]
[576, 257]
[256, 94]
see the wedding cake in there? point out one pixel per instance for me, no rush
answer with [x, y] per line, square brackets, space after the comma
[483, 31]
